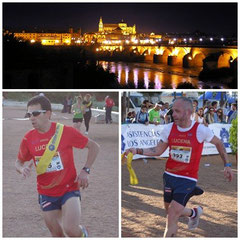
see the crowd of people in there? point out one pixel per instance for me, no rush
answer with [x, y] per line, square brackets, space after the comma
[161, 113]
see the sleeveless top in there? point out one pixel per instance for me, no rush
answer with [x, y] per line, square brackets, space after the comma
[184, 152]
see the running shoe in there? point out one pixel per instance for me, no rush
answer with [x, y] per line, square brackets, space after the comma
[194, 221]
[84, 231]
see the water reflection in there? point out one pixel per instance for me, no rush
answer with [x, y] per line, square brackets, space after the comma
[153, 76]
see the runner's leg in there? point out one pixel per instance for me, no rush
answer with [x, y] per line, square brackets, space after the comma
[175, 210]
[87, 117]
[53, 222]
[71, 215]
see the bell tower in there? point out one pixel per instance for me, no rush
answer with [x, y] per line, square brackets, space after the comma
[100, 25]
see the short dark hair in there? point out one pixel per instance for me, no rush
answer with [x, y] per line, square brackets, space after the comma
[42, 100]
[214, 103]
[143, 106]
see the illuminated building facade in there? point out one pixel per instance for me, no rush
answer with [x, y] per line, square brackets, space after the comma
[121, 27]
[111, 32]
[49, 38]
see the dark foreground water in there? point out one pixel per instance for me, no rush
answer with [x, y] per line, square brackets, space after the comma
[158, 76]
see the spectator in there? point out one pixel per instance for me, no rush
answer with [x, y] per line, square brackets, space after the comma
[129, 118]
[214, 105]
[65, 106]
[69, 104]
[154, 116]
[142, 115]
[109, 103]
[148, 104]
[194, 115]
[230, 111]
[195, 103]
[133, 116]
[210, 116]
[162, 112]
[219, 117]
[206, 106]
[234, 114]
[200, 116]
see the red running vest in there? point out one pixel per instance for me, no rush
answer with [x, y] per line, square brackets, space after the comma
[184, 152]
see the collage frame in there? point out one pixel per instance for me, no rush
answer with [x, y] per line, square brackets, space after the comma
[135, 221]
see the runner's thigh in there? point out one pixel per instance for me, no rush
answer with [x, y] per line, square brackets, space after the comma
[53, 220]
[71, 212]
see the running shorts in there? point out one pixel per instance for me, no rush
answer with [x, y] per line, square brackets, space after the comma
[48, 203]
[177, 188]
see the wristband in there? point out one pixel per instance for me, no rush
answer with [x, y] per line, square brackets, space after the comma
[227, 165]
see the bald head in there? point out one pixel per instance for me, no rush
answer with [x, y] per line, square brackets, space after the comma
[186, 103]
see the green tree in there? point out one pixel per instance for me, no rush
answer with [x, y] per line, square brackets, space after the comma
[233, 140]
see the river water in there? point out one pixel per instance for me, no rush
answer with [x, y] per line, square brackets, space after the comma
[158, 76]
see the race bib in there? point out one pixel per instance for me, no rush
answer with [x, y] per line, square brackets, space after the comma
[55, 165]
[181, 154]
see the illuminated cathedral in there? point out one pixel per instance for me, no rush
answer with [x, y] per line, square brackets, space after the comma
[121, 27]
[111, 32]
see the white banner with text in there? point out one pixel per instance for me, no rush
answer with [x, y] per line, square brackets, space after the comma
[148, 136]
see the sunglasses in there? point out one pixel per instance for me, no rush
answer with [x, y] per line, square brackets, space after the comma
[34, 113]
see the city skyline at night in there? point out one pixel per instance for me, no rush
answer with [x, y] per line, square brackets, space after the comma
[210, 18]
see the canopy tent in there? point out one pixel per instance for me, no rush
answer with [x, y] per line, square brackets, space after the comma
[213, 96]
[217, 97]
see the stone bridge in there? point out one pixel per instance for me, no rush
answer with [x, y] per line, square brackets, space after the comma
[186, 56]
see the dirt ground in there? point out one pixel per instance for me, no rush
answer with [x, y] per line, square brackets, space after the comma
[143, 212]
[100, 206]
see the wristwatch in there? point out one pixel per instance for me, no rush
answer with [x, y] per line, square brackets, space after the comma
[227, 165]
[87, 170]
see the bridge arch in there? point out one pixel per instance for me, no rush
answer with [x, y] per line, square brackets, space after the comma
[198, 59]
[224, 60]
[176, 57]
[188, 60]
[165, 55]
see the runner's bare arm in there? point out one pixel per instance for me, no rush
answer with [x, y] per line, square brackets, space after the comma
[154, 151]
[93, 149]
[24, 170]
[223, 154]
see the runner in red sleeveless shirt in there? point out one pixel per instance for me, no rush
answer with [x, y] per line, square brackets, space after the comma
[58, 187]
[185, 140]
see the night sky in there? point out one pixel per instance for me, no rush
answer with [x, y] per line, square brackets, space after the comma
[211, 18]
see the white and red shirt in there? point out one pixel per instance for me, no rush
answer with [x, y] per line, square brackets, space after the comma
[61, 173]
[185, 148]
